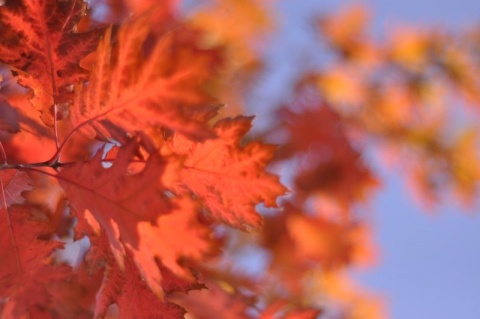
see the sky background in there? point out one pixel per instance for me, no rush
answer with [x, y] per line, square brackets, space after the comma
[429, 265]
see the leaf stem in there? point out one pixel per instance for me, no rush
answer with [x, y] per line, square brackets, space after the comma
[48, 163]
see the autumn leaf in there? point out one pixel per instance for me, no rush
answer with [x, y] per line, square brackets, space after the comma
[119, 204]
[228, 178]
[40, 43]
[162, 240]
[328, 242]
[312, 127]
[135, 300]
[74, 297]
[20, 247]
[126, 287]
[332, 165]
[13, 183]
[117, 200]
[25, 246]
[131, 88]
[214, 302]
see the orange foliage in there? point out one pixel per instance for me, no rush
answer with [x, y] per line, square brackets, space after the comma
[112, 134]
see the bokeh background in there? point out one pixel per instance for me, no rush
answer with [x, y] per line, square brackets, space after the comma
[428, 263]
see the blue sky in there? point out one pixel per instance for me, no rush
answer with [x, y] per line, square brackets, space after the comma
[429, 263]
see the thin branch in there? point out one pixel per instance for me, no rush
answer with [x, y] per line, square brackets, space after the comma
[28, 166]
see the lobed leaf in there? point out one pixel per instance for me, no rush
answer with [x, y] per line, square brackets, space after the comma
[228, 178]
[40, 43]
[117, 200]
[136, 84]
[25, 272]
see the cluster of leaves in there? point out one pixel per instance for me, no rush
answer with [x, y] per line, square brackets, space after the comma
[123, 188]
[164, 171]
[392, 98]
[401, 91]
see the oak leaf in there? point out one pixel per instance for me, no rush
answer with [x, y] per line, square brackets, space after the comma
[126, 287]
[229, 178]
[118, 201]
[125, 205]
[137, 301]
[40, 43]
[136, 84]
[176, 238]
[25, 270]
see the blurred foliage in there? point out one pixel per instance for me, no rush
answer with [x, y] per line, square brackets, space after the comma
[412, 98]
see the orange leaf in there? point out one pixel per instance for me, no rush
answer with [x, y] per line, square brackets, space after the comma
[177, 237]
[229, 178]
[134, 85]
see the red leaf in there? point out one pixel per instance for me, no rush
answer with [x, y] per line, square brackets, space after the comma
[126, 288]
[8, 118]
[25, 272]
[331, 164]
[14, 182]
[125, 206]
[117, 200]
[40, 43]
